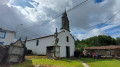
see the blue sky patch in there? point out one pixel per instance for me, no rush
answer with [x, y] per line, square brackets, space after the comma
[101, 25]
[113, 28]
[116, 32]
[23, 3]
[79, 33]
[98, 1]
[111, 31]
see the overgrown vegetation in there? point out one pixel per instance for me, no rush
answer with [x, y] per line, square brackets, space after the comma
[100, 40]
[101, 62]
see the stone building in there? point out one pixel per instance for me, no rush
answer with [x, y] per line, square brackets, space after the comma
[16, 52]
[66, 41]
[13, 53]
[111, 50]
[3, 53]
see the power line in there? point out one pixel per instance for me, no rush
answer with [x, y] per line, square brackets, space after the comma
[81, 4]
[37, 25]
[107, 20]
[76, 6]
[113, 16]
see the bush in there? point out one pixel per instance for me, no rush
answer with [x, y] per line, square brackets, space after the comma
[76, 53]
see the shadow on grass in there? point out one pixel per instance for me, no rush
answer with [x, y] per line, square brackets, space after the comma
[89, 60]
[66, 60]
[27, 63]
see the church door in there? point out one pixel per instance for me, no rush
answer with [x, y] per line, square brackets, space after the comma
[67, 51]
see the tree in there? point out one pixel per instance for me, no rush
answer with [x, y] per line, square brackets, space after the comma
[118, 40]
[100, 40]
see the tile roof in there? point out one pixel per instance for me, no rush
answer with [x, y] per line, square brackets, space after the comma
[104, 47]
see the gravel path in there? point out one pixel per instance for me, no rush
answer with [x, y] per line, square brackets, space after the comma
[84, 64]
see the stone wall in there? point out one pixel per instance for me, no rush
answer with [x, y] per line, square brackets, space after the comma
[3, 53]
[14, 53]
[112, 52]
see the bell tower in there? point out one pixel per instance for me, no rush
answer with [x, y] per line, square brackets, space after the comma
[65, 21]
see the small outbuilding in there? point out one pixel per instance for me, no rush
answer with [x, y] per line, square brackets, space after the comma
[111, 50]
[16, 52]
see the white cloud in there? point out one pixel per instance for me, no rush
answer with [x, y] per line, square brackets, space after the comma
[4, 1]
[57, 6]
[36, 19]
[109, 26]
[93, 32]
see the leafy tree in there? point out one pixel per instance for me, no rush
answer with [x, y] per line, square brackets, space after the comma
[100, 40]
[118, 40]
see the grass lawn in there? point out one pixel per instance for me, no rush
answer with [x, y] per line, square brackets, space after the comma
[38, 60]
[101, 62]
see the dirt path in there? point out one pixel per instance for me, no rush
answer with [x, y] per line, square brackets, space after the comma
[84, 64]
[5, 65]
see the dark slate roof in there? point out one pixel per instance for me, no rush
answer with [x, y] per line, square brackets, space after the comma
[39, 37]
[6, 30]
[103, 47]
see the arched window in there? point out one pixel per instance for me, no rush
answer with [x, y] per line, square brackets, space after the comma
[37, 42]
[67, 39]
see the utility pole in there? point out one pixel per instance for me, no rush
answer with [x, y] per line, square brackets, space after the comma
[17, 28]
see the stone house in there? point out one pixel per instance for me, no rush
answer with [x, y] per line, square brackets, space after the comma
[111, 50]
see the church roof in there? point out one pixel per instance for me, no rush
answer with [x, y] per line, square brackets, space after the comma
[43, 37]
[47, 36]
[40, 37]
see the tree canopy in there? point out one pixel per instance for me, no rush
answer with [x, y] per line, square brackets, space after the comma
[100, 40]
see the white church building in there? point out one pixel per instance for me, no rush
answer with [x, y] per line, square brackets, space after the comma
[66, 41]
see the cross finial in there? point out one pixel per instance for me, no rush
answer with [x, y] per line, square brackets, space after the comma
[56, 30]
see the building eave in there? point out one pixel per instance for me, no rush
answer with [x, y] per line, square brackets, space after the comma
[7, 30]
[40, 37]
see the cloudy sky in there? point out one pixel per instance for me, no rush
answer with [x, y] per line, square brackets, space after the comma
[36, 18]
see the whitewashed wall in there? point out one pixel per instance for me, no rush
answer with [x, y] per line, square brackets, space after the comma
[8, 38]
[49, 41]
[41, 48]
[63, 43]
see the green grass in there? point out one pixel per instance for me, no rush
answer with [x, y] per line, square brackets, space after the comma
[101, 62]
[43, 61]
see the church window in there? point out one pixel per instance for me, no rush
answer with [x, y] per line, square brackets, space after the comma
[2, 34]
[37, 42]
[67, 39]
[1, 43]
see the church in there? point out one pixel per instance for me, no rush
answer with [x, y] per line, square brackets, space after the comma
[66, 41]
